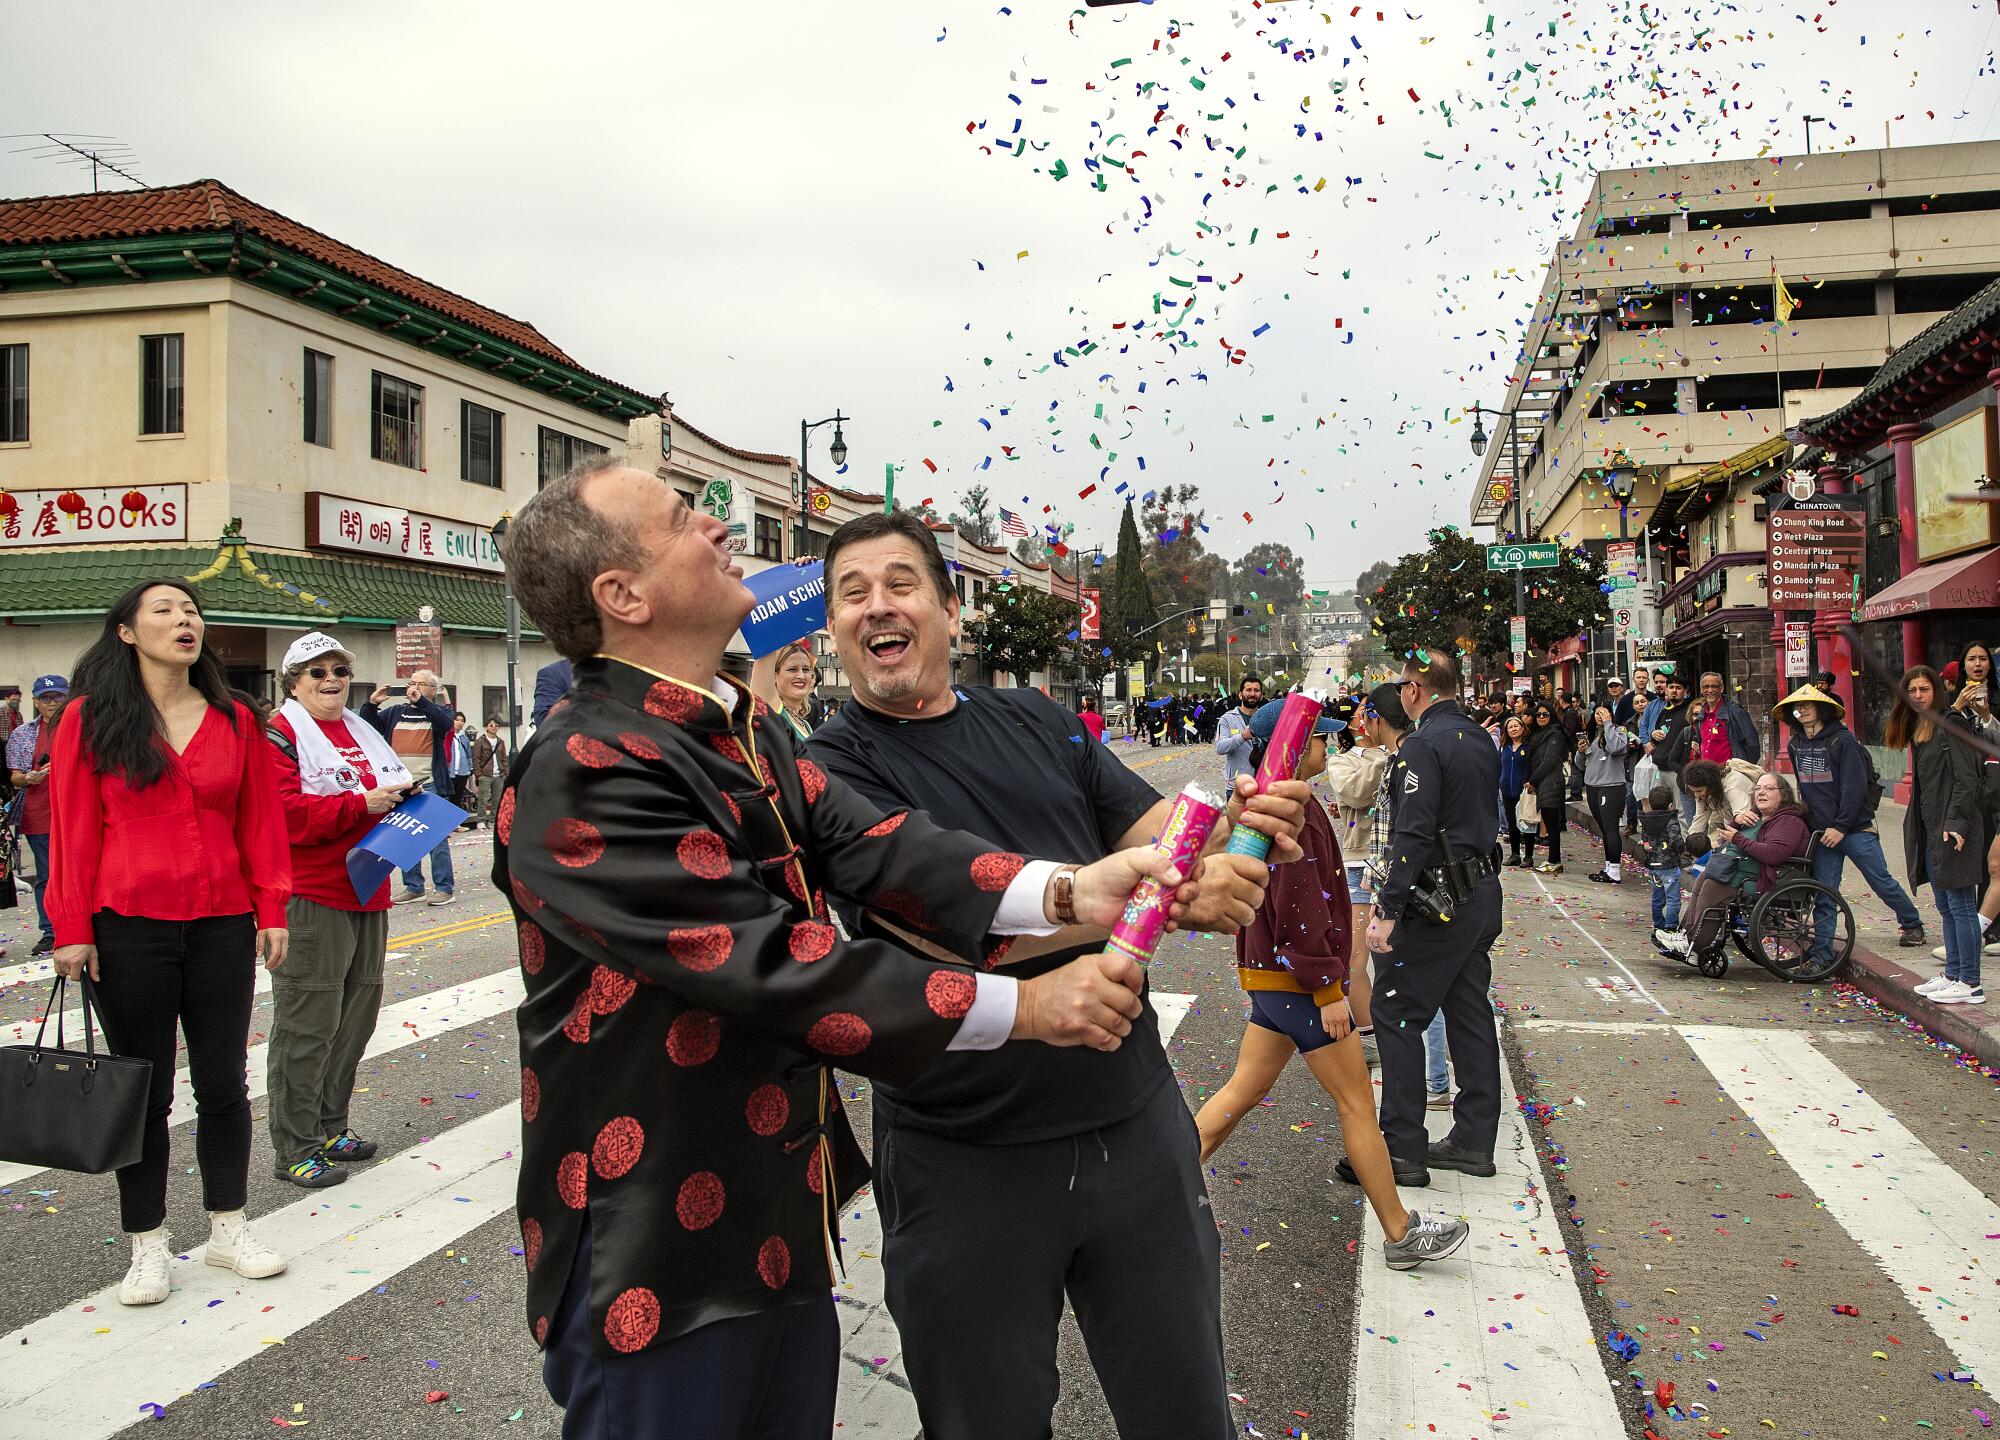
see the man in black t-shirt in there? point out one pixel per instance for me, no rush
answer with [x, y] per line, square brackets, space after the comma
[1003, 1190]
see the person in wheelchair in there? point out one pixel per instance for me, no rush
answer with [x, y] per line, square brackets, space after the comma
[1748, 852]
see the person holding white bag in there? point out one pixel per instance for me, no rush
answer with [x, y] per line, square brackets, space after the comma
[337, 777]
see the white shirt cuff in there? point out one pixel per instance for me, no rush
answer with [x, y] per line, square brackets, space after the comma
[1021, 911]
[991, 1019]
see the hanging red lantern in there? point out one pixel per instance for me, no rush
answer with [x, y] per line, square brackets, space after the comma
[71, 503]
[134, 502]
[9, 506]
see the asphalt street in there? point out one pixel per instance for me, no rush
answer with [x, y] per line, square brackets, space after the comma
[1707, 1167]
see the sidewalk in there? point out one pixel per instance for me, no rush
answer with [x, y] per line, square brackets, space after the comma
[1880, 967]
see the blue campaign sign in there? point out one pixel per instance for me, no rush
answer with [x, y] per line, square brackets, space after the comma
[405, 835]
[791, 604]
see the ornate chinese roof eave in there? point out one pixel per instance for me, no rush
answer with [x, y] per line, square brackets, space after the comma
[1941, 366]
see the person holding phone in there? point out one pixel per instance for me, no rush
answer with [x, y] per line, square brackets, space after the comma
[419, 731]
[336, 777]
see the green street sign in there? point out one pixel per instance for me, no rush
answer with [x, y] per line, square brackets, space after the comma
[1523, 557]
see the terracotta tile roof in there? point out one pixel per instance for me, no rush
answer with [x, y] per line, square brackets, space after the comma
[208, 206]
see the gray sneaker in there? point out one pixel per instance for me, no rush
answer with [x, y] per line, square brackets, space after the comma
[1370, 1053]
[1426, 1239]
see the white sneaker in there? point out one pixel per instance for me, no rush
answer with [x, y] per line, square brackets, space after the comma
[1933, 985]
[1937, 952]
[147, 1282]
[1959, 993]
[233, 1245]
[1992, 947]
[1673, 941]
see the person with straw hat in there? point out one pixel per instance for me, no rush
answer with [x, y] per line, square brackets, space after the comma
[1837, 783]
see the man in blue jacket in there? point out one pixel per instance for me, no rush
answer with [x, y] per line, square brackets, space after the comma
[419, 731]
[1832, 772]
[552, 684]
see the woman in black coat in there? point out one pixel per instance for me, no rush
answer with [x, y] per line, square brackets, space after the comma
[1548, 749]
[1943, 839]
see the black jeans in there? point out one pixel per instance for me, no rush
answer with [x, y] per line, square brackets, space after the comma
[1432, 968]
[197, 976]
[983, 1242]
[1607, 807]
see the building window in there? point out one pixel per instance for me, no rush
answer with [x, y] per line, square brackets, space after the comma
[559, 452]
[319, 398]
[396, 416]
[687, 497]
[162, 386]
[770, 538]
[13, 392]
[478, 444]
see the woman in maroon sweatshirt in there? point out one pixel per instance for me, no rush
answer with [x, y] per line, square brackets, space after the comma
[1292, 960]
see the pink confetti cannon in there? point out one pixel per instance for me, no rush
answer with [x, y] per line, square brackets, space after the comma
[1281, 762]
[1189, 824]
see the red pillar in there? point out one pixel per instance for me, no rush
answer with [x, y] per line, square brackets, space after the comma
[1835, 651]
[1904, 440]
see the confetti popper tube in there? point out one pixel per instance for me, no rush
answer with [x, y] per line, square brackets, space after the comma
[1189, 824]
[1281, 762]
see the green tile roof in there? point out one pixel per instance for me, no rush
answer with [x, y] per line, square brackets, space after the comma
[273, 589]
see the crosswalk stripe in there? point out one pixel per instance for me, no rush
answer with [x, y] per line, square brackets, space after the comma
[407, 1022]
[72, 1018]
[1865, 1166]
[875, 1397]
[85, 1371]
[1498, 1328]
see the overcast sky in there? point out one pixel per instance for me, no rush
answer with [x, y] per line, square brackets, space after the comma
[777, 209]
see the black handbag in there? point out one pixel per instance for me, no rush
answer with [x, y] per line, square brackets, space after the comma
[67, 1109]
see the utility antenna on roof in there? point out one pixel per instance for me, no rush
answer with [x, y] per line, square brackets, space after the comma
[99, 152]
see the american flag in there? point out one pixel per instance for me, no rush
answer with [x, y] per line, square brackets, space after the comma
[1012, 524]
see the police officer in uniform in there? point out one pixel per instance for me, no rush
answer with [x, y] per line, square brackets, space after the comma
[1441, 861]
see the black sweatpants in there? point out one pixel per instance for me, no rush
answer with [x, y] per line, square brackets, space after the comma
[1607, 807]
[197, 976]
[1430, 968]
[982, 1243]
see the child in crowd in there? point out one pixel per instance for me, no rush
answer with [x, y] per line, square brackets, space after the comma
[1662, 847]
[1293, 959]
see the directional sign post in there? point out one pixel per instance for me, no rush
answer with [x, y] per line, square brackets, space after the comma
[1523, 557]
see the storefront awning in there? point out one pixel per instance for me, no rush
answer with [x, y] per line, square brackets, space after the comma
[1964, 582]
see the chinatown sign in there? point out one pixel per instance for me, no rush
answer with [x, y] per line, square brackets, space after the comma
[108, 514]
[1814, 553]
[334, 522]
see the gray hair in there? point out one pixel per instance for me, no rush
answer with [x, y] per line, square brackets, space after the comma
[554, 551]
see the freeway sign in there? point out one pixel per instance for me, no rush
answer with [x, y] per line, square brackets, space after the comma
[1523, 557]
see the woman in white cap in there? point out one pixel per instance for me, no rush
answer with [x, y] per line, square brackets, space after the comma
[337, 777]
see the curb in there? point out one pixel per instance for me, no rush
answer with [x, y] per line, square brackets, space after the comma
[1971, 1028]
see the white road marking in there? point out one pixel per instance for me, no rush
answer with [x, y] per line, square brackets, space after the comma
[405, 1023]
[1554, 905]
[1867, 1168]
[1502, 1317]
[84, 1371]
[875, 1396]
[1593, 1027]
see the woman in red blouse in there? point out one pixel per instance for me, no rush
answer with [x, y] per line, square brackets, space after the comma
[169, 873]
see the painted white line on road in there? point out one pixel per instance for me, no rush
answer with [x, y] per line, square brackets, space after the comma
[1919, 1218]
[84, 1371]
[875, 1398]
[1499, 1327]
[407, 1022]
[1555, 905]
[1592, 1027]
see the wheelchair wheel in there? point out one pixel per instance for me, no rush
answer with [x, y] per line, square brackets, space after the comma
[1715, 964]
[1782, 937]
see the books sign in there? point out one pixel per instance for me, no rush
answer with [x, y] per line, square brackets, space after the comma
[110, 514]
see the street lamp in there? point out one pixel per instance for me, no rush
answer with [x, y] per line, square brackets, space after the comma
[837, 452]
[1478, 443]
[1621, 481]
[513, 638]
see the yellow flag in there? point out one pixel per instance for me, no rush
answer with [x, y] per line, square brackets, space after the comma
[1782, 299]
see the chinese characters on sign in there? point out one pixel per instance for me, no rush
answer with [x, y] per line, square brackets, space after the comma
[1814, 552]
[110, 514]
[334, 522]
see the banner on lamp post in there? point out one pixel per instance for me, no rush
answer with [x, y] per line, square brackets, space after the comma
[1089, 626]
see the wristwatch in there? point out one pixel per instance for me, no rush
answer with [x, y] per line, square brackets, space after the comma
[1065, 894]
